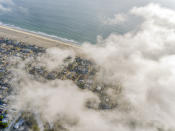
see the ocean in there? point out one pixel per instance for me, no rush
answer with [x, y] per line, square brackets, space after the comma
[72, 20]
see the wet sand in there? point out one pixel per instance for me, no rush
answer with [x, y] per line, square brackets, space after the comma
[34, 39]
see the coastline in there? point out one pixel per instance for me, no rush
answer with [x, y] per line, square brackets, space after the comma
[34, 38]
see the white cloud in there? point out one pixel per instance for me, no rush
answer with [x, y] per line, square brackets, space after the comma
[141, 61]
[54, 58]
[7, 2]
[9, 6]
[4, 9]
[117, 19]
[23, 10]
[5, 5]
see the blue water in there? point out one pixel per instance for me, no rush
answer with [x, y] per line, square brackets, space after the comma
[78, 20]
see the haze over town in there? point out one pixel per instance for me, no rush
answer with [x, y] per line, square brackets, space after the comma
[121, 81]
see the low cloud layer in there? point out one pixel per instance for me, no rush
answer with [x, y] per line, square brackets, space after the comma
[143, 62]
[140, 61]
[53, 58]
[9, 6]
[5, 5]
[116, 20]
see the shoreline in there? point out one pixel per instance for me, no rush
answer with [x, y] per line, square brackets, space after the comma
[34, 38]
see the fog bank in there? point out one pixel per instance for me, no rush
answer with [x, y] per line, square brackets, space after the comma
[140, 62]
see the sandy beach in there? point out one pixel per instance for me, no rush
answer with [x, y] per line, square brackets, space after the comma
[34, 39]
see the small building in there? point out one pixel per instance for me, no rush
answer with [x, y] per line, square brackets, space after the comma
[19, 124]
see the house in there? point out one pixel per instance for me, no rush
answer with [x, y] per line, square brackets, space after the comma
[5, 120]
[19, 124]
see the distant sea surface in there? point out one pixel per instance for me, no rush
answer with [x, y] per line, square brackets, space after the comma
[74, 20]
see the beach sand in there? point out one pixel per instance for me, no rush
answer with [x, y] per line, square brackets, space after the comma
[34, 39]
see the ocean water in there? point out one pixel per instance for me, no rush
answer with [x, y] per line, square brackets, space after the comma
[74, 20]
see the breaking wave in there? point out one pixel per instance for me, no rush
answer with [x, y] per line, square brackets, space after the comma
[41, 33]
